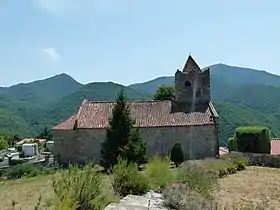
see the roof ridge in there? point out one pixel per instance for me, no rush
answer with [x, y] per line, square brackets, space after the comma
[133, 101]
[190, 65]
[80, 110]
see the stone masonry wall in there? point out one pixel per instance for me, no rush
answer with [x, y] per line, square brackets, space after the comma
[83, 145]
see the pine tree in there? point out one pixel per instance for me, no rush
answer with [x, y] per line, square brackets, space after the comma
[177, 154]
[118, 133]
[136, 148]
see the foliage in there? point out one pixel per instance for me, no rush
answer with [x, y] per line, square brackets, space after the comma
[196, 180]
[177, 154]
[181, 196]
[232, 144]
[79, 189]
[22, 170]
[122, 141]
[118, 133]
[239, 161]
[3, 144]
[7, 140]
[164, 93]
[126, 179]
[18, 171]
[253, 139]
[45, 134]
[158, 171]
[198, 177]
[135, 150]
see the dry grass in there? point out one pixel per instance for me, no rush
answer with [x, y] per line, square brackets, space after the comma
[25, 192]
[255, 185]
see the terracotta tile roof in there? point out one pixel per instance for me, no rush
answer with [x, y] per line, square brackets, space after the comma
[275, 146]
[145, 113]
[68, 124]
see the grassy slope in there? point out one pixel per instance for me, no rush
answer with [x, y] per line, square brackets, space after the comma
[255, 184]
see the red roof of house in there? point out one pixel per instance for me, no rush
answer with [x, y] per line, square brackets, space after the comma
[145, 113]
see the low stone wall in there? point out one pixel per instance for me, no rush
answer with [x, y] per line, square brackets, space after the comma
[256, 159]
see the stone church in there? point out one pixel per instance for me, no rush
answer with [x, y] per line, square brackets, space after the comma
[189, 118]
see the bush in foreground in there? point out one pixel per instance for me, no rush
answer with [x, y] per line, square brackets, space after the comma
[196, 180]
[196, 176]
[181, 196]
[158, 172]
[126, 179]
[177, 154]
[79, 189]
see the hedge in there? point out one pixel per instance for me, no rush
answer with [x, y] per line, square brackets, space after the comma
[252, 139]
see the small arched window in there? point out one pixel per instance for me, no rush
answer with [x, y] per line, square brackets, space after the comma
[187, 83]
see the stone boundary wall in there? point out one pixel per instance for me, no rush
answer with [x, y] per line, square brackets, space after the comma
[257, 159]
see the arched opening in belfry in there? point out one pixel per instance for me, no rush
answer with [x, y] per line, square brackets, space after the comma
[188, 83]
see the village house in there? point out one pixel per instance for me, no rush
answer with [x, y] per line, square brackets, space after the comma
[189, 118]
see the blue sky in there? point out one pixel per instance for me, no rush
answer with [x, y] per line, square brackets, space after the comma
[129, 41]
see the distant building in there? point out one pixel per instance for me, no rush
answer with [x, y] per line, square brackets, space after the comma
[275, 146]
[30, 140]
[190, 118]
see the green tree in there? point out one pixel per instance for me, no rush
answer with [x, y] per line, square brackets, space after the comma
[164, 93]
[7, 140]
[136, 148]
[118, 133]
[3, 144]
[177, 154]
[45, 134]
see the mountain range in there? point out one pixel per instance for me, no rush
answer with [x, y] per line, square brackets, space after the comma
[241, 96]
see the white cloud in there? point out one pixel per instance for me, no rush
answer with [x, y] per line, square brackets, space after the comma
[52, 53]
[54, 6]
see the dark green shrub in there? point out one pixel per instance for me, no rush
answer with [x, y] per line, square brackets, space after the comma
[135, 150]
[253, 139]
[122, 139]
[177, 154]
[14, 162]
[19, 171]
[126, 179]
[232, 144]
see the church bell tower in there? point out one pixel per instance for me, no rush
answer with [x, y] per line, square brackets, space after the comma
[192, 85]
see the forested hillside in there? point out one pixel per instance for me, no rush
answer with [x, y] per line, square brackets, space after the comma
[241, 96]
